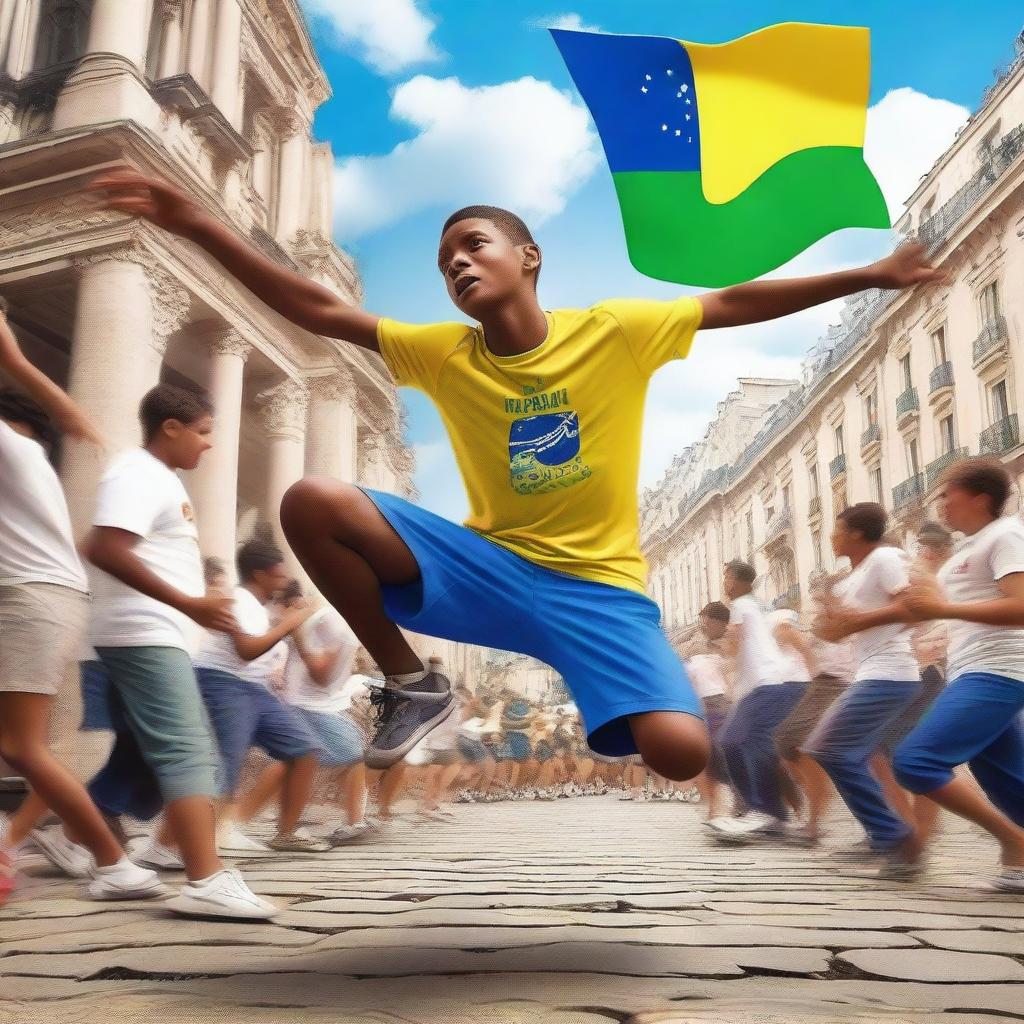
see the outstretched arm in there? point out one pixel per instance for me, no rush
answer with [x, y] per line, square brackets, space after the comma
[302, 301]
[757, 301]
[58, 405]
[925, 602]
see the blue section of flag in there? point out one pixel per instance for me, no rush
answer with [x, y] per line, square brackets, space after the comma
[641, 94]
[551, 438]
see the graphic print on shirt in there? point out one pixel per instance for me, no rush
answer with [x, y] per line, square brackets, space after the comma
[544, 450]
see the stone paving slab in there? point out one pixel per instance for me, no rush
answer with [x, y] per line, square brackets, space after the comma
[522, 913]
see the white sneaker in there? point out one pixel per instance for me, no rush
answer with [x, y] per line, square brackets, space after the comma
[151, 853]
[74, 860]
[224, 894]
[125, 881]
[232, 839]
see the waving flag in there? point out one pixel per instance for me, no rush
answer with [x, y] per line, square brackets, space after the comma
[730, 159]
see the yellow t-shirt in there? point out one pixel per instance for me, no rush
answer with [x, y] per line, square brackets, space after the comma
[548, 441]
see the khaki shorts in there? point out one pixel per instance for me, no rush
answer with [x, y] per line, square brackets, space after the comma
[821, 694]
[41, 627]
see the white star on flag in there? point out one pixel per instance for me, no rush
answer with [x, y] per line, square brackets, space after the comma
[648, 77]
[664, 127]
[643, 88]
[678, 133]
[684, 87]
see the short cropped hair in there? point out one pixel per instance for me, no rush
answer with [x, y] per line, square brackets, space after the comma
[932, 535]
[512, 226]
[167, 402]
[212, 568]
[982, 476]
[742, 571]
[292, 591]
[254, 555]
[868, 518]
[715, 610]
[19, 408]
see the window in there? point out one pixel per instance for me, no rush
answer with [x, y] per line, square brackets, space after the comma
[939, 346]
[988, 301]
[929, 209]
[947, 435]
[787, 494]
[840, 449]
[998, 401]
[816, 547]
[913, 457]
[875, 478]
[750, 530]
[871, 408]
[905, 377]
[812, 477]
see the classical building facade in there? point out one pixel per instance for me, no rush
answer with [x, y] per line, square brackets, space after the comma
[218, 95]
[904, 385]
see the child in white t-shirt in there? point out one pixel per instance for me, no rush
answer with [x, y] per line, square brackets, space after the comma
[43, 608]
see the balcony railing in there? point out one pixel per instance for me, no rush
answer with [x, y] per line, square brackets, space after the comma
[907, 402]
[871, 436]
[941, 377]
[992, 337]
[790, 599]
[779, 524]
[814, 506]
[837, 467]
[1000, 437]
[935, 468]
[904, 493]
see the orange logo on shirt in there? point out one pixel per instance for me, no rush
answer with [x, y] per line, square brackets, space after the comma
[186, 512]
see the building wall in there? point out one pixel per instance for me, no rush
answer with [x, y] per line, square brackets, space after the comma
[970, 210]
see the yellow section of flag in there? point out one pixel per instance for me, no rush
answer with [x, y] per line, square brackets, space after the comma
[775, 92]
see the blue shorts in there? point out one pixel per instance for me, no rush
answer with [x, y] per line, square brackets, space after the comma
[605, 641]
[341, 742]
[247, 715]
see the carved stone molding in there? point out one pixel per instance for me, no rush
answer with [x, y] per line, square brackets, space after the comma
[338, 386]
[224, 339]
[284, 408]
[172, 303]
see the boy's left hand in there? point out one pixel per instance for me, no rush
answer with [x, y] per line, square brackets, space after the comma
[907, 266]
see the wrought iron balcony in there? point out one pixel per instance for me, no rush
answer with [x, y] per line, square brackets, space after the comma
[790, 599]
[814, 507]
[903, 494]
[993, 337]
[907, 402]
[871, 436]
[837, 467]
[941, 377]
[1000, 437]
[781, 522]
[935, 468]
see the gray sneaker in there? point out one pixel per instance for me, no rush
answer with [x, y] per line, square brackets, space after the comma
[406, 715]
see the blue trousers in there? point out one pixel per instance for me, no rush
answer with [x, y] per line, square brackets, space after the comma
[747, 741]
[844, 743]
[977, 721]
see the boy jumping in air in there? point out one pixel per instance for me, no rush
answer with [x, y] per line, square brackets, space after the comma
[544, 411]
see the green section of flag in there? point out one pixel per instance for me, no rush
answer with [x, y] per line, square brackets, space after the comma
[675, 234]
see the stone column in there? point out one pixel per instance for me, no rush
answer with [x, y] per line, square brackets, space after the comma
[108, 83]
[125, 313]
[322, 182]
[331, 433]
[284, 411]
[197, 61]
[19, 30]
[214, 483]
[169, 63]
[291, 174]
[227, 50]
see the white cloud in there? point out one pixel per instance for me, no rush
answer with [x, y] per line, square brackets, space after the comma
[907, 132]
[522, 144]
[571, 21]
[389, 35]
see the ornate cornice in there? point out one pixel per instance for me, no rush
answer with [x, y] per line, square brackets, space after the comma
[338, 386]
[224, 339]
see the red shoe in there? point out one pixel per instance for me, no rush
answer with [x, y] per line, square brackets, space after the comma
[6, 877]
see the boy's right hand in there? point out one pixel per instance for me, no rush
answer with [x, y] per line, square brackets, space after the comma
[166, 205]
[212, 612]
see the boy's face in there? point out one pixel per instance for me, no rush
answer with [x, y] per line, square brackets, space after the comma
[842, 539]
[271, 581]
[959, 508]
[188, 441]
[713, 629]
[481, 266]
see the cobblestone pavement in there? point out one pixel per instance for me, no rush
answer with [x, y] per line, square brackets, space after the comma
[583, 911]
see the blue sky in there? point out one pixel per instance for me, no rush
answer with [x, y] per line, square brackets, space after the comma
[430, 97]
